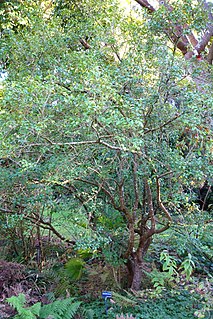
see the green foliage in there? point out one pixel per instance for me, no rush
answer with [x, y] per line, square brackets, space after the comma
[60, 309]
[191, 233]
[160, 280]
[171, 272]
[188, 266]
[74, 268]
[19, 304]
[176, 305]
[82, 129]
[93, 310]
[205, 288]
[164, 279]
[122, 316]
[124, 300]
[169, 264]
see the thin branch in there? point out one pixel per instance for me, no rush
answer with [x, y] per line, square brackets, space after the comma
[135, 182]
[67, 87]
[7, 211]
[73, 189]
[62, 144]
[85, 44]
[112, 147]
[37, 219]
[161, 205]
[164, 124]
[116, 53]
[150, 206]
[207, 194]
[107, 192]
[161, 230]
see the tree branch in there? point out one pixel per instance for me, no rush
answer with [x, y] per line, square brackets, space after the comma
[151, 214]
[146, 4]
[164, 124]
[72, 189]
[205, 40]
[7, 211]
[107, 192]
[135, 182]
[182, 41]
[161, 205]
[85, 44]
[36, 219]
[210, 54]
[161, 230]
[47, 225]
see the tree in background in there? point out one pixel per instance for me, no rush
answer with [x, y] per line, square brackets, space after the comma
[105, 127]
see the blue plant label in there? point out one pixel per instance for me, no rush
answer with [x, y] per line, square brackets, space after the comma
[106, 294]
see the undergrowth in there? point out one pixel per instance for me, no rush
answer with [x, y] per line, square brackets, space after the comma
[172, 305]
[58, 309]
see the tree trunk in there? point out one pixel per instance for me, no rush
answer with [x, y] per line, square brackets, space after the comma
[137, 274]
[135, 264]
[135, 269]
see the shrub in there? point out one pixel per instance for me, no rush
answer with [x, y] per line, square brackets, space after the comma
[10, 275]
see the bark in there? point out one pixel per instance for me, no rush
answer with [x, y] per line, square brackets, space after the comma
[135, 268]
[137, 277]
[135, 263]
[146, 4]
[210, 54]
[182, 42]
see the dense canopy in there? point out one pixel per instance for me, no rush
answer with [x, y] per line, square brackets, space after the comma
[106, 132]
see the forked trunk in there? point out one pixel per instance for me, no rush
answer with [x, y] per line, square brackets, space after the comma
[135, 263]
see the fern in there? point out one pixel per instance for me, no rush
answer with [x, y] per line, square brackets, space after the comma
[60, 309]
[19, 304]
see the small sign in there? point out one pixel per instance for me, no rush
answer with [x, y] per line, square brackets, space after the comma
[106, 294]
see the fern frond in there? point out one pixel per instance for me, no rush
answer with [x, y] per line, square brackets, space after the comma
[17, 302]
[60, 309]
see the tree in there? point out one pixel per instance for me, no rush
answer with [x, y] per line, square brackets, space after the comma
[180, 26]
[102, 121]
